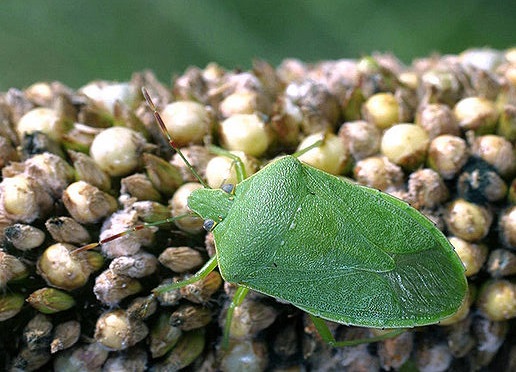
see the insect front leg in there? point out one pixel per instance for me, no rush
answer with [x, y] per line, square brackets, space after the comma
[199, 275]
[239, 164]
[237, 300]
[327, 336]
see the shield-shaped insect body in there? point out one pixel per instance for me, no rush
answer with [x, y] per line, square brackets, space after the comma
[335, 249]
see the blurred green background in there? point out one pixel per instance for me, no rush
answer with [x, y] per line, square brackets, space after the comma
[76, 41]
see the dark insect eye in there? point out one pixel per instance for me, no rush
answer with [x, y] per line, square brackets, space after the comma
[228, 187]
[208, 224]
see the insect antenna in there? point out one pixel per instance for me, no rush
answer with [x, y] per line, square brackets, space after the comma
[171, 142]
[130, 230]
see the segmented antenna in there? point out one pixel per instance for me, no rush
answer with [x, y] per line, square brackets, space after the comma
[171, 142]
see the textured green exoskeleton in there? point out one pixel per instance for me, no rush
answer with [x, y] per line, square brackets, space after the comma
[334, 249]
[337, 250]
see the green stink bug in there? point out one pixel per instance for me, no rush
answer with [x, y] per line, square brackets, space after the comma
[337, 250]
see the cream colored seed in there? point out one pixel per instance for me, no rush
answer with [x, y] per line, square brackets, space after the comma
[405, 145]
[221, 169]
[187, 121]
[382, 110]
[245, 132]
[331, 156]
[179, 206]
[468, 221]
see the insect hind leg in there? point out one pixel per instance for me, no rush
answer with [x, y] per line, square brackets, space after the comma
[327, 336]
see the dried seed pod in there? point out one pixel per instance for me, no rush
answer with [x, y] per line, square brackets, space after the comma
[111, 288]
[189, 121]
[135, 360]
[179, 206]
[80, 137]
[181, 259]
[364, 361]
[149, 211]
[331, 156]
[50, 171]
[405, 145]
[23, 199]
[163, 336]
[246, 355]
[437, 119]
[86, 203]
[44, 120]
[220, 170]
[285, 122]
[477, 114]
[285, 342]
[118, 331]
[201, 291]
[140, 187]
[431, 357]
[382, 110]
[186, 351]
[197, 156]
[88, 357]
[379, 173]
[142, 307]
[490, 336]
[468, 221]
[501, 262]
[188, 317]
[7, 152]
[426, 189]
[480, 183]
[496, 151]
[65, 336]
[244, 102]
[61, 268]
[30, 360]
[440, 84]
[106, 94]
[245, 132]
[136, 266]
[507, 227]
[250, 318]
[165, 177]
[11, 269]
[497, 300]
[472, 255]
[169, 298]
[460, 338]
[447, 154]
[128, 244]
[361, 138]
[117, 150]
[88, 171]
[507, 122]
[37, 334]
[394, 352]
[66, 230]
[24, 237]
[50, 300]
[10, 305]
[320, 109]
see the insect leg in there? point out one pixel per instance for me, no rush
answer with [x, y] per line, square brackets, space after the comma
[201, 274]
[239, 164]
[327, 336]
[238, 298]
